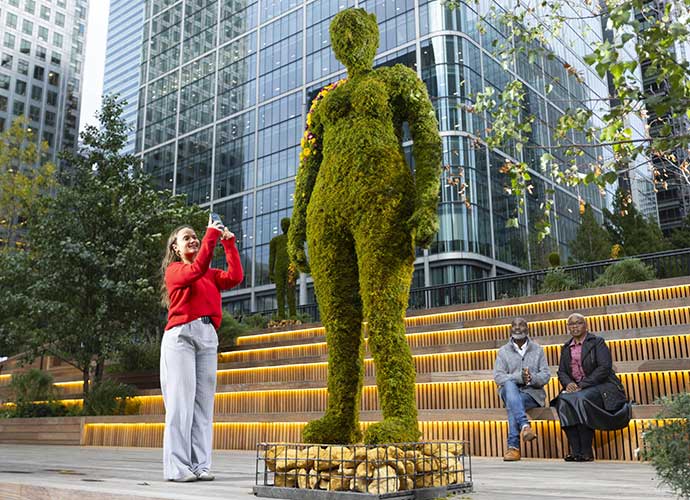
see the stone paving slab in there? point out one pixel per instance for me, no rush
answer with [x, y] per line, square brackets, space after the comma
[29, 472]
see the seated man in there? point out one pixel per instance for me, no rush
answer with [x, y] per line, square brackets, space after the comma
[521, 372]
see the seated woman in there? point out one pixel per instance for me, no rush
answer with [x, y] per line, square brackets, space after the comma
[593, 397]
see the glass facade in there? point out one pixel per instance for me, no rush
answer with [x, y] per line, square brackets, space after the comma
[225, 87]
[41, 59]
[122, 55]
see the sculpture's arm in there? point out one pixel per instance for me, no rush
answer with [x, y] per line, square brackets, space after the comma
[310, 161]
[427, 150]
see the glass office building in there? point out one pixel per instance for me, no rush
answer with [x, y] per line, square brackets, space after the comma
[226, 84]
[41, 58]
[122, 57]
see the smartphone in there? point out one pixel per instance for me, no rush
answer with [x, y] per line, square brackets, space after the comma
[216, 218]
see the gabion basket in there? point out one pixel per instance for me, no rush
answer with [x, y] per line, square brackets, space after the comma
[398, 470]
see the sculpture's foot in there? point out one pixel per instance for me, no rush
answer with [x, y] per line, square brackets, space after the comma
[330, 430]
[392, 430]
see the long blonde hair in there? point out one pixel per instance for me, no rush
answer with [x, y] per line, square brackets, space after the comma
[169, 257]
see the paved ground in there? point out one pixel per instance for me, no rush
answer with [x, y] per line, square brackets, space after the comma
[64, 472]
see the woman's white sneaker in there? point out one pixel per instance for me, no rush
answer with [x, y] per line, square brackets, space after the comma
[206, 476]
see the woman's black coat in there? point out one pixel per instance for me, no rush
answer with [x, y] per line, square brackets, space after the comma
[598, 369]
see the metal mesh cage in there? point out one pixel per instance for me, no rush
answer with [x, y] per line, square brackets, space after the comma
[391, 470]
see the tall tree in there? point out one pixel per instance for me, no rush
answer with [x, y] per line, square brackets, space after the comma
[680, 237]
[521, 36]
[97, 251]
[24, 174]
[592, 241]
[630, 229]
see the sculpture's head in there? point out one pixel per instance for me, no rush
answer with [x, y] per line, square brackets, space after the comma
[285, 224]
[355, 38]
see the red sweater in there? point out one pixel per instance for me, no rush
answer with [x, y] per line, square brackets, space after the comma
[194, 289]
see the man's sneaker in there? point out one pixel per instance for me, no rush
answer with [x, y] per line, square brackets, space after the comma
[527, 434]
[206, 476]
[512, 455]
[187, 478]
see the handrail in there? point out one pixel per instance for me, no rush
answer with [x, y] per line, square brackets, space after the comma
[667, 264]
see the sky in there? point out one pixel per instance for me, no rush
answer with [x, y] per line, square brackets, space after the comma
[94, 61]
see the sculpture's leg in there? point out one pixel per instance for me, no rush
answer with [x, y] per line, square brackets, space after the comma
[386, 262]
[292, 306]
[334, 269]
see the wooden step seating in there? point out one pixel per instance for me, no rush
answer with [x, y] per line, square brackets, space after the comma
[271, 384]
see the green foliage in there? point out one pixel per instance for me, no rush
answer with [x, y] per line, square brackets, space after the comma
[15, 303]
[632, 230]
[667, 445]
[256, 322]
[96, 252]
[592, 241]
[230, 329]
[34, 410]
[680, 237]
[110, 398]
[625, 271]
[24, 175]
[137, 356]
[557, 280]
[554, 259]
[362, 212]
[652, 33]
[34, 394]
[279, 271]
[32, 385]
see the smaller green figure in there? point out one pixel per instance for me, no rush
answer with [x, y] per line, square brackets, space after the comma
[279, 272]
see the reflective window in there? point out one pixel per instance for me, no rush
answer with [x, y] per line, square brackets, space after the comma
[193, 173]
[234, 170]
[237, 76]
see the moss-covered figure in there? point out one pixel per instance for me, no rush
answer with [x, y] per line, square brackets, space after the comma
[278, 271]
[361, 211]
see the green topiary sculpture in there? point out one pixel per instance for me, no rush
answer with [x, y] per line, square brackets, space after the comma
[278, 271]
[362, 210]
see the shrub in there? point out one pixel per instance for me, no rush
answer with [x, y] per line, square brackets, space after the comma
[42, 409]
[256, 322]
[625, 271]
[554, 259]
[32, 385]
[667, 446]
[137, 356]
[557, 280]
[230, 329]
[111, 398]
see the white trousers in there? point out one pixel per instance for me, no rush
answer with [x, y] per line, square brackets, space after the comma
[189, 359]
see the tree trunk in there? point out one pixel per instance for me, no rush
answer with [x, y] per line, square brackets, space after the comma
[100, 369]
[85, 378]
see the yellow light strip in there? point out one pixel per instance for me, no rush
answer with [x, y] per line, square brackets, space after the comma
[622, 350]
[643, 387]
[543, 328]
[599, 300]
[486, 438]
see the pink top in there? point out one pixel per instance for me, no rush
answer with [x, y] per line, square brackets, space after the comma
[576, 360]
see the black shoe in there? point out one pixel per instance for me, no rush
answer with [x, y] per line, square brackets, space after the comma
[585, 458]
[572, 458]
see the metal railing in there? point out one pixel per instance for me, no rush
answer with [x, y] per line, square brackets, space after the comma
[668, 264]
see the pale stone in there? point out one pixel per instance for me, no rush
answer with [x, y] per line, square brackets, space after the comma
[302, 478]
[312, 479]
[384, 481]
[339, 483]
[281, 458]
[286, 479]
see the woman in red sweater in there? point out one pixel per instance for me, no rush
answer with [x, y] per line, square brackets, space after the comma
[189, 351]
